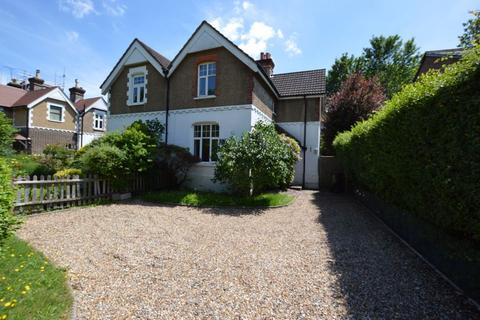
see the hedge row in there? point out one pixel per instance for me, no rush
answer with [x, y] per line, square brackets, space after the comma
[421, 151]
[8, 223]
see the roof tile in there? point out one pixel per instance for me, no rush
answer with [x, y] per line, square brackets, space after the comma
[311, 82]
[8, 95]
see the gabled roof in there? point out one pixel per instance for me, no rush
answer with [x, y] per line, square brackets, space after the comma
[31, 96]
[9, 95]
[218, 39]
[83, 104]
[301, 83]
[160, 58]
[437, 59]
[158, 61]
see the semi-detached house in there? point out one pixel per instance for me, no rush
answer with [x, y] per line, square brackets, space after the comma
[212, 90]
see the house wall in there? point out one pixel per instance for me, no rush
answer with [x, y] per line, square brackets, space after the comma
[233, 86]
[39, 114]
[293, 110]
[88, 122]
[156, 92]
[19, 116]
[42, 137]
[262, 98]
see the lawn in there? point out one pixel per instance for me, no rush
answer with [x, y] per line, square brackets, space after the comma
[30, 286]
[210, 199]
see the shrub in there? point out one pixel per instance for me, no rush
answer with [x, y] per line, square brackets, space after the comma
[55, 158]
[172, 164]
[8, 222]
[258, 161]
[68, 172]
[356, 100]
[6, 135]
[421, 152]
[107, 161]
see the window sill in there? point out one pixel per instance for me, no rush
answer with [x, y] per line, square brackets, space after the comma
[99, 130]
[130, 104]
[55, 121]
[205, 97]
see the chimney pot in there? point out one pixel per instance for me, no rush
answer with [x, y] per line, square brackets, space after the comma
[36, 83]
[14, 83]
[266, 62]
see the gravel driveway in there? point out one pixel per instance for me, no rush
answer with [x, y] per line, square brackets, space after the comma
[324, 257]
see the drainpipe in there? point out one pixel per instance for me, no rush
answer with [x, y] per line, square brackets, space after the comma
[27, 132]
[304, 147]
[81, 116]
[167, 107]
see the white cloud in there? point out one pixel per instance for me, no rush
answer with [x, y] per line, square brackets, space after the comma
[291, 46]
[72, 36]
[113, 8]
[247, 5]
[78, 8]
[252, 32]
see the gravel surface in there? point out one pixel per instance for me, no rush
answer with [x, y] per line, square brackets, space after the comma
[323, 257]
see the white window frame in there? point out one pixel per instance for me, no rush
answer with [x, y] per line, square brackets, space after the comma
[62, 114]
[132, 74]
[206, 95]
[201, 138]
[98, 121]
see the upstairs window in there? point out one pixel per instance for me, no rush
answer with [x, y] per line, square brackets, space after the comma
[206, 141]
[98, 121]
[55, 113]
[137, 86]
[207, 78]
[138, 89]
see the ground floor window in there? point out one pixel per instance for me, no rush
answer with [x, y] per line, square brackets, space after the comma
[206, 141]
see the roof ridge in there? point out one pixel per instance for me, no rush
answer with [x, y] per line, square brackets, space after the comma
[154, 52]
[276, 74]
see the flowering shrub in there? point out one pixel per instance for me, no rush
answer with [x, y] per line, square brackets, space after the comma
[68, 172]
[258, 161]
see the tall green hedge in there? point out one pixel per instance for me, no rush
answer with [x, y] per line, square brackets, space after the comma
[421, 152]
[8, 222]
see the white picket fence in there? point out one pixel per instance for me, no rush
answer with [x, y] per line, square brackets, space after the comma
[44, 193]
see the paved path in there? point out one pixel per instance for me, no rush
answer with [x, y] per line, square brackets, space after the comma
[324, 257]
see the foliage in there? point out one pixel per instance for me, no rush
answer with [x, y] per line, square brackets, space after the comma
[156, 128]
[258, 161]
[471, 31]
[391, 60]
[356, 100]
[7, 132]
[172, 164]
[341, 69]
[192, 198]
[55, 158]
[30, 286]
[68, 172]
[421, 151]
[120, 156]
[8, 222]
[24, 164]
[106, 161]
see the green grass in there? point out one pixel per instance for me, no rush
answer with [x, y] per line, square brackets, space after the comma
[30, 286]
[210, 199]
[24, 164]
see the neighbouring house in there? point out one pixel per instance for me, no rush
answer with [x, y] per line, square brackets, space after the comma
[212, 90]
[438, 59]
[44, 115]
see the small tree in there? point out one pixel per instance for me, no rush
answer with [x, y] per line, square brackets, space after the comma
[258, 161]
[471, 33]
[357, 98]
[6, 135]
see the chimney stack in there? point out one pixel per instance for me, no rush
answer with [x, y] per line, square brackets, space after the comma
[76, 92]
[266, 62]
[14, 83]
[36, 83]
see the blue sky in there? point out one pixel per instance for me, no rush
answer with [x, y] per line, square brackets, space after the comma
[86, 37]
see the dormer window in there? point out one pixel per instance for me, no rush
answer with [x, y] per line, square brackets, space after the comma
[137, 86]
[99, 121]
[207, 78]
